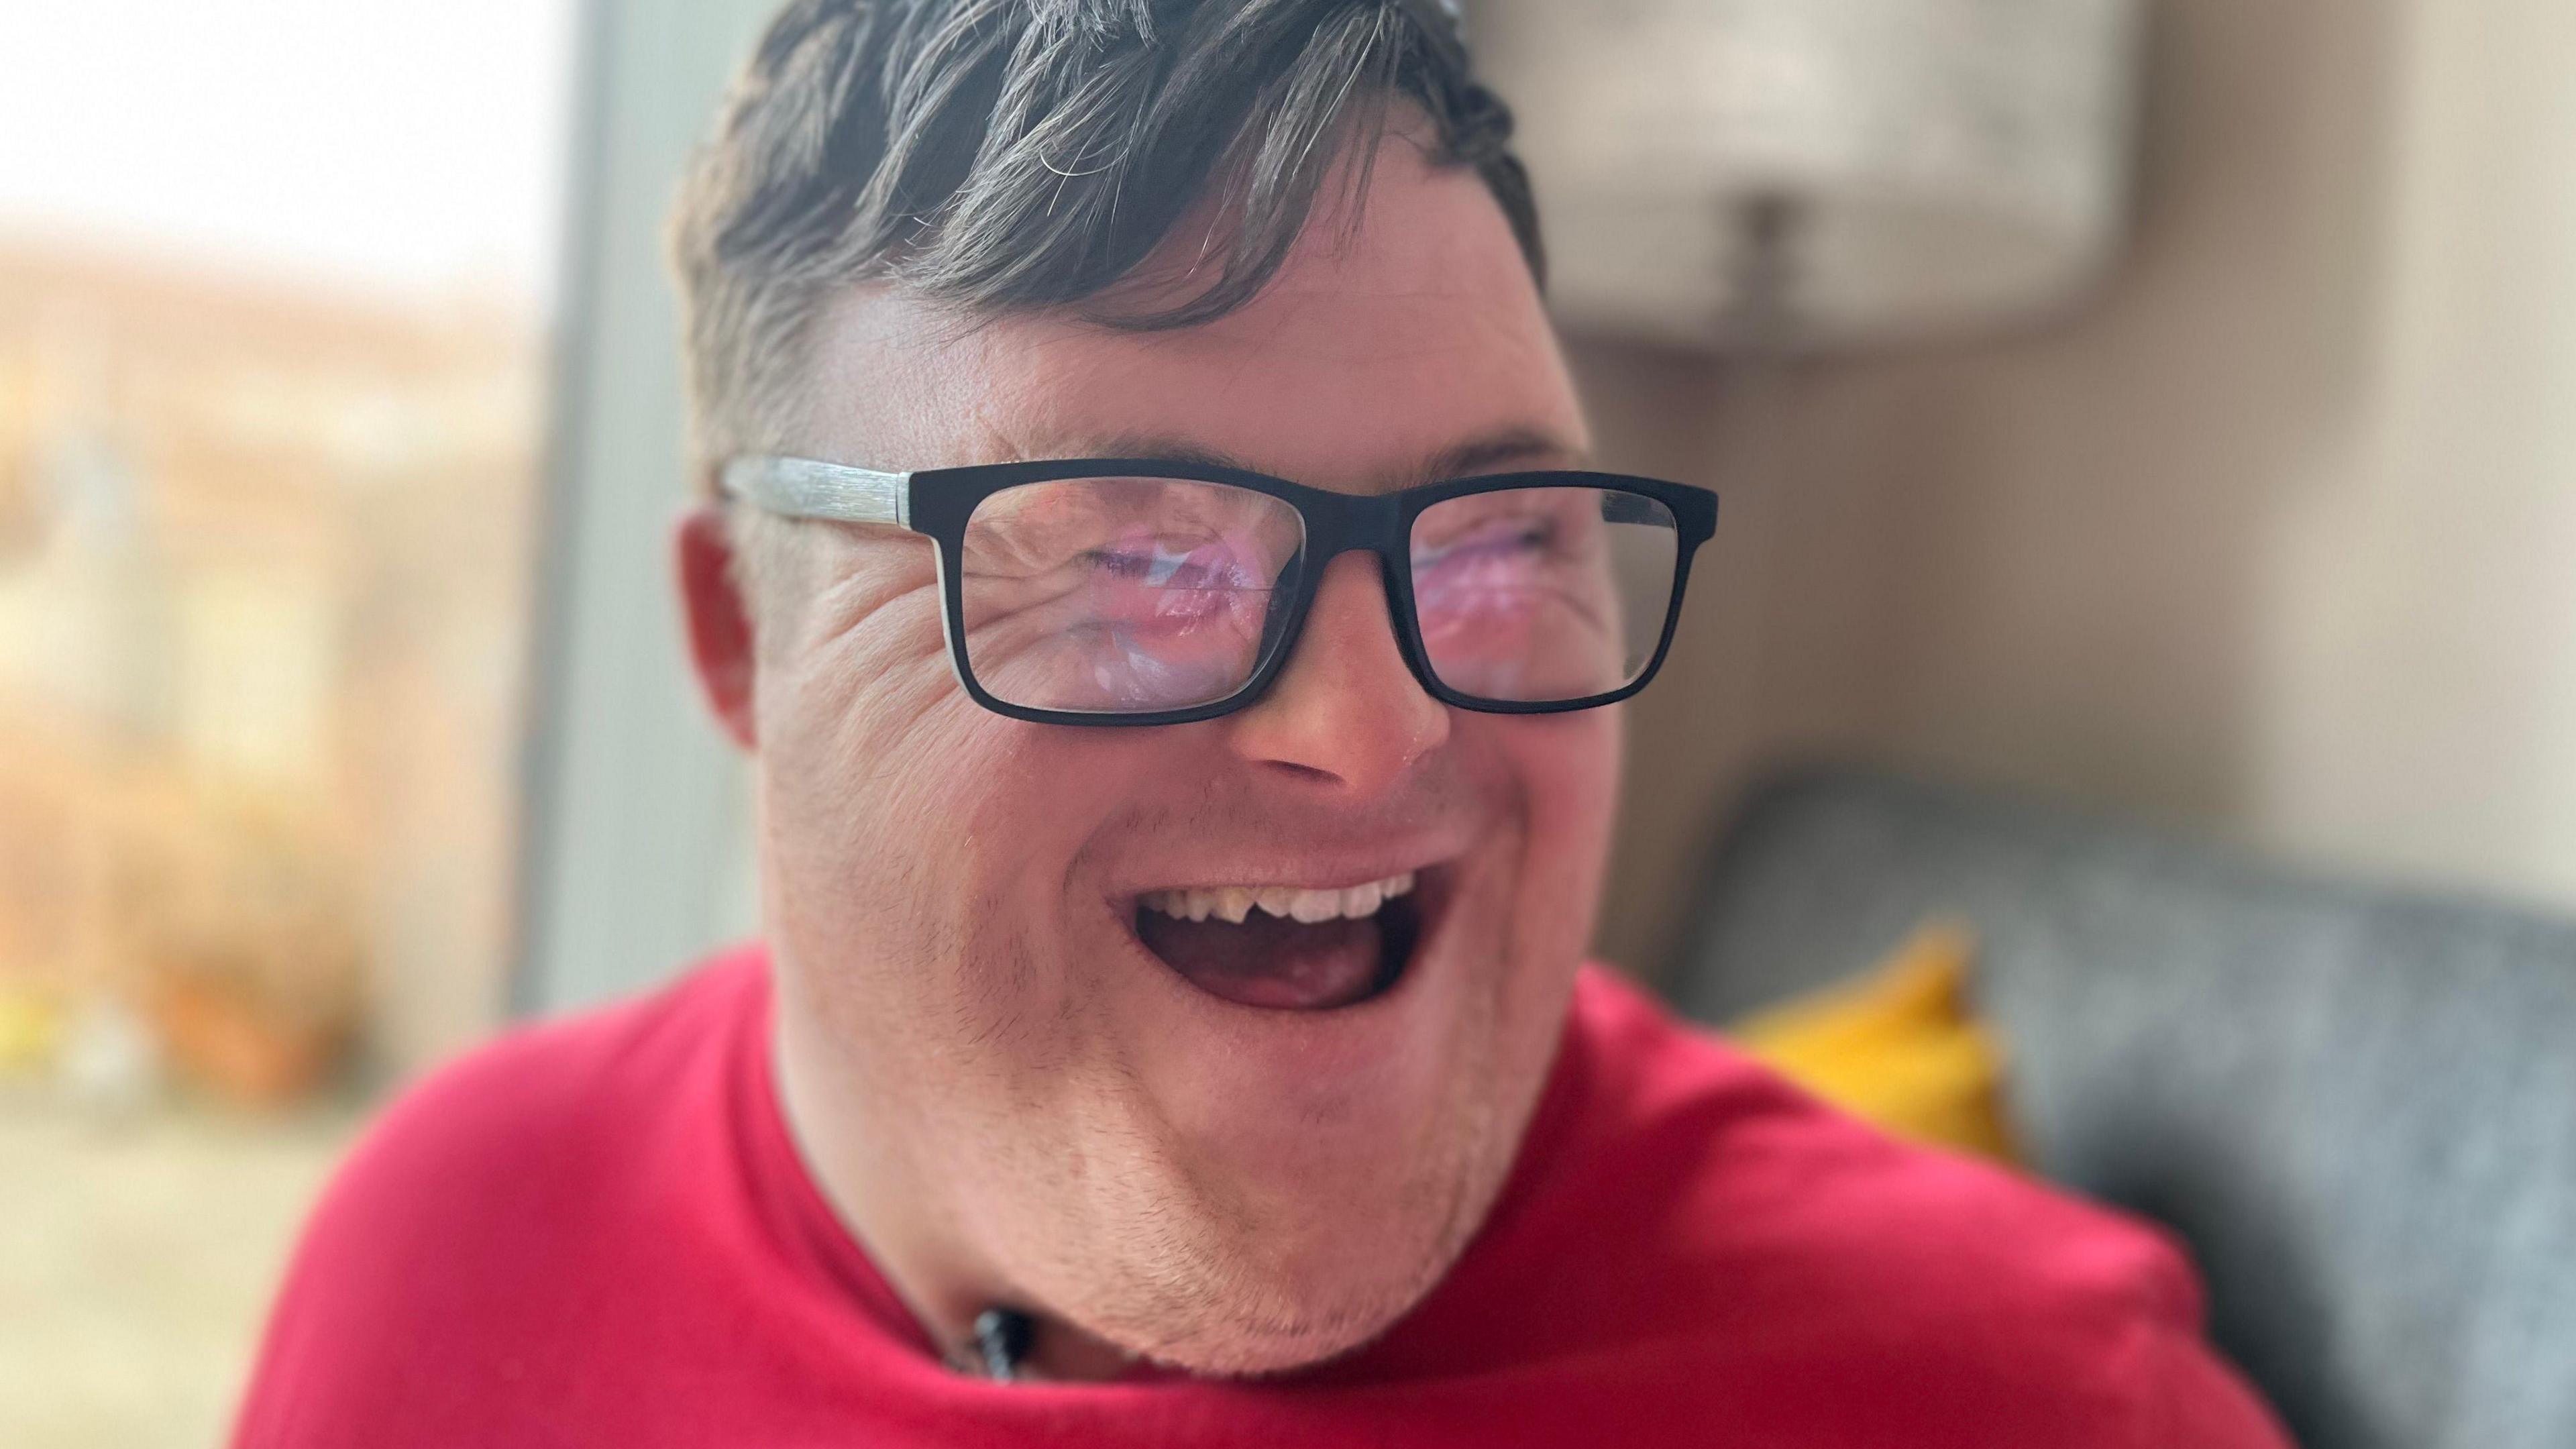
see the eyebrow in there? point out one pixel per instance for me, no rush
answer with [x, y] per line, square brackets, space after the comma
[1491, 452]
[1501, 451]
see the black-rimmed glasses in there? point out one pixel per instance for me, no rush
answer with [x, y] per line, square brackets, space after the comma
[1123, 591]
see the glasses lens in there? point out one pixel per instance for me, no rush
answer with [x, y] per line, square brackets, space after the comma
[1543, 595]
[1124, 595]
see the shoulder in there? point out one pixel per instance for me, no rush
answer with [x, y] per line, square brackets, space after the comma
[1735, 1136]
[1870, 1252]
[507, 1189]
[551, 1100]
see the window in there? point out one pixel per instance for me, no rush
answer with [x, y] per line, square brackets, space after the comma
[273, 350]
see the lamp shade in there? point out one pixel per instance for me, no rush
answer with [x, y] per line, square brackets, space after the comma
[1821, 173]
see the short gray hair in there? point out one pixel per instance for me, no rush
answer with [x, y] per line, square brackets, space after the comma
[1014, 155]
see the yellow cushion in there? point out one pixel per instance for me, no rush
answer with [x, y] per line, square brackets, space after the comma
[1898, 1047]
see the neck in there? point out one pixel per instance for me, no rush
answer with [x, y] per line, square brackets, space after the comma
[916, 1241]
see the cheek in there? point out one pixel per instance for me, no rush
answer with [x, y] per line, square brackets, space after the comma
[917, 906]
[856, 729]
[919, 848]
[927, 824]
[1567, 768]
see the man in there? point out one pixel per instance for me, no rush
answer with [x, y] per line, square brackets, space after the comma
[1183, 807]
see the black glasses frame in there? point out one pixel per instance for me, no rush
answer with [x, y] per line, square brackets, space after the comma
[938, 503]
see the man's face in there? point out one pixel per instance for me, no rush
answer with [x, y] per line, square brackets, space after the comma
[993, 1069]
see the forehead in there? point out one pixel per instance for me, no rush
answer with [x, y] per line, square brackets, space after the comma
[1378, 346]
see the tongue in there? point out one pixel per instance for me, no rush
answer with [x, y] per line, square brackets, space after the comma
[1271, 960]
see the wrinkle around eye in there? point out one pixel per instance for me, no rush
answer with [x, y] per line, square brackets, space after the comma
[857, 571]
[871, 625]
[873, 688]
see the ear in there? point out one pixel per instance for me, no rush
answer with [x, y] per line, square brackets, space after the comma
[720, 638]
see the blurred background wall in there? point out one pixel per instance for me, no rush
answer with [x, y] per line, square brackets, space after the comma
[2272, 539]
[638, 848]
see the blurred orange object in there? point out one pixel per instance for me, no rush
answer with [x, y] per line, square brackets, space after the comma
[241, 1049]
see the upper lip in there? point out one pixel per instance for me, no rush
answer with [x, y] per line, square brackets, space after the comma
[1311, 872]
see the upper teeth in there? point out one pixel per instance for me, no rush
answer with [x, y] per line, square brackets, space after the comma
[1236, 903]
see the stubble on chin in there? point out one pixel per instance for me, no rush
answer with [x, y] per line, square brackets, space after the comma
[1205, 1300]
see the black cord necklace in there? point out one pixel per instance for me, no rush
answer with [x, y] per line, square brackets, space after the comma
[1002, 1338]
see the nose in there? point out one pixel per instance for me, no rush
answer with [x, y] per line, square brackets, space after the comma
[1346, 712]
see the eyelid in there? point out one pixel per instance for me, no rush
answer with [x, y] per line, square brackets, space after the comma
[1441, 539]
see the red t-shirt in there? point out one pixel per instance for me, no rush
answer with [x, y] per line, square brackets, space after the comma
[598, 1233]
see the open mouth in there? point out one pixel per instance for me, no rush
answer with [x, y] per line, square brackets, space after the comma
[1288, 948]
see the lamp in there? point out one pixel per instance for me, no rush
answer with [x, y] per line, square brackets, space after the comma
[1815, 174]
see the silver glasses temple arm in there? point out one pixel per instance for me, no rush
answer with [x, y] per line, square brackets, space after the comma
[803, 488]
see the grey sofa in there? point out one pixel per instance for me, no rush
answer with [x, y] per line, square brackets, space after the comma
[2358, 1106]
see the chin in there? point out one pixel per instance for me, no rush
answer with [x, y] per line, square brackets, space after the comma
[1247, 1269]
[1248, 1319]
